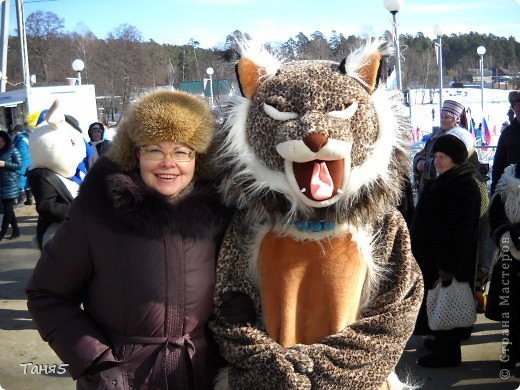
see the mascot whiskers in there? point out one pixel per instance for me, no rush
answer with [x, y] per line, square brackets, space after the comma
[316, 284]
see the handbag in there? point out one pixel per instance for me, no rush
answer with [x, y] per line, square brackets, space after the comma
[450, 307]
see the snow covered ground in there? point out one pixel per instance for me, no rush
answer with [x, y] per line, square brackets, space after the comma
[496, 105]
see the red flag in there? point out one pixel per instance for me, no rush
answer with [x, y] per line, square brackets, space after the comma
[472, 129]
[418, 134]
[485, 132]
[412, 134]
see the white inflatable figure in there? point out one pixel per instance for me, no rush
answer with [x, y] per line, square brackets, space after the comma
[56, 149]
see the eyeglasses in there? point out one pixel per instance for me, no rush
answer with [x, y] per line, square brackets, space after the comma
[156, 154]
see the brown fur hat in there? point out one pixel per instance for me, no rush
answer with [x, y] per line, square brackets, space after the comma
[162, 115]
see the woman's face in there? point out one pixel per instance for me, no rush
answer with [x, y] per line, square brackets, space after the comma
[447, 121]
[161, 170]
[443, 163]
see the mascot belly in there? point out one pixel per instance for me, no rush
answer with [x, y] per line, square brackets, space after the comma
[309, 289]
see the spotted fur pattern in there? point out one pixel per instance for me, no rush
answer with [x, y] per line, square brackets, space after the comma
[287, 105]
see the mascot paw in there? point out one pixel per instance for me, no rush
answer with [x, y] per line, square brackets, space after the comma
[301, 362]
[237, 308]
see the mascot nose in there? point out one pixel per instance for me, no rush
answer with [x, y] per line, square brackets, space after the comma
[315, 141]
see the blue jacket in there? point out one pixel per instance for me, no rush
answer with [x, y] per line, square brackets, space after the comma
[21, 142]
[8, 173]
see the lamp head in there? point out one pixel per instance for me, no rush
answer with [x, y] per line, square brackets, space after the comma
[78, 65]
[481, 50]
[437, 30]
[393, 5]
[210, 71]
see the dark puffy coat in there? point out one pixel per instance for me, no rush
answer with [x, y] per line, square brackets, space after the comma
[52, 199]
[8, 173]
[444, 233]
[507, 152]
[144, 270]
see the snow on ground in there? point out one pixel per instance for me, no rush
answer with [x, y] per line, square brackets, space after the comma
[496, 105]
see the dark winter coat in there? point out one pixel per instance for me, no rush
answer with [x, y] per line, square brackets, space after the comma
[444, 233]
[9, 172]
[52, 199]
[144, 269]
[507, 152]
[504, 290]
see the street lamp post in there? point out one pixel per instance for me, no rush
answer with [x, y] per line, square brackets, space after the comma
[394, 6]
[78, 65]
[481, 50]
[437, 30]
[210, 72]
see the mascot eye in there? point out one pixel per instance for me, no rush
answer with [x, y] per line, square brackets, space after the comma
[344, 111]
[278, 115]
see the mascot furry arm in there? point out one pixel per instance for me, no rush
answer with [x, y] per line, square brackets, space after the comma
[316, 283]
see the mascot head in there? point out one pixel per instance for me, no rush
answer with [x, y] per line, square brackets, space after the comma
[55, 144]
[314, 140]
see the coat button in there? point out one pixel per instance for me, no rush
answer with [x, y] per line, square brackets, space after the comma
[114, 382]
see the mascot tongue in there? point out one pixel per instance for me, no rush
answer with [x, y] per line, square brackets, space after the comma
[321, 182]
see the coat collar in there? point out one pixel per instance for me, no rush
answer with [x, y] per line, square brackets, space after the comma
[121, 200]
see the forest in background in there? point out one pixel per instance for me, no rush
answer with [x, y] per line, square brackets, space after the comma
[123, 64]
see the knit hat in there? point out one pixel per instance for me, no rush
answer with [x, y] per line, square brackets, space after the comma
[453, 107]
[96, 126]
[514, 96]
[162, 115]
[452, 146]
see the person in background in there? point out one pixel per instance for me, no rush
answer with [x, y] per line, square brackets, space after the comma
[504, 220]
[452, 115]
[10, 163]
[444, 238]
[143, 233]
[21, 142]
[99, 145]
[508, 146]
[82, 168]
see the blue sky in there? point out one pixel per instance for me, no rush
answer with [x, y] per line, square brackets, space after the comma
[210, 21]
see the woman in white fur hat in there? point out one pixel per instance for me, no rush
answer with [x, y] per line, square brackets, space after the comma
[453, 115]
[444, 237]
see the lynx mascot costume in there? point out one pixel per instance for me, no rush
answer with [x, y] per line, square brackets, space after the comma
[316, 284]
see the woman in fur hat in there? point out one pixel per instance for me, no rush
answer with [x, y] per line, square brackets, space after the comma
[444, 238]
[138, 250]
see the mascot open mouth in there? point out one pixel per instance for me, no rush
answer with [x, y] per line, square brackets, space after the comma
[319, 180]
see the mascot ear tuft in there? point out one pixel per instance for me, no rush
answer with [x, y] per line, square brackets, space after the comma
[55, 115]
[248, 75]
[369, 72]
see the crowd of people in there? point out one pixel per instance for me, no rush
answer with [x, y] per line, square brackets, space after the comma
[22, 179]
[148, 204]
[454, 219]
